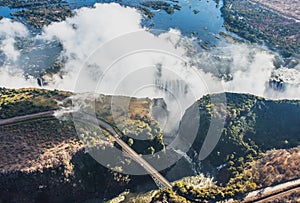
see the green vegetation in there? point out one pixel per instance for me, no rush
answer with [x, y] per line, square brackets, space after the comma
[39, 13]
[139, 129]
[41, 16]
[17, 102]
[260, 25]
[147, 12]
[50, 156]
[184, 192]
[49, 152]
[54, 68]
[275, 167]
[161, 5]
[25, 3]
[253, 127]
[137, 126]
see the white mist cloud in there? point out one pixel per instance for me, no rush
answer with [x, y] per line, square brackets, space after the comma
[92, 29]
[89, 29]
[106, 50]
[251, 68]
[11, 76]
[8, 32]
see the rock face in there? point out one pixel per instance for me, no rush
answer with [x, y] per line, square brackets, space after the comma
[283, 77]
[252, 125]
[240, 162]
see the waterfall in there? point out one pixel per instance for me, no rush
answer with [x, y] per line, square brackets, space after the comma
[40, 82]
[177, 87]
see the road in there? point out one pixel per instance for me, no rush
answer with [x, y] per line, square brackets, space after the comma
[279, 196]
[158, 178]
[267, 193]
[25, 117]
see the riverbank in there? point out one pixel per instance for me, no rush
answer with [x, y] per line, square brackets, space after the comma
[258, 24]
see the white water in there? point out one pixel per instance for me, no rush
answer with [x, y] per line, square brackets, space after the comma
[194, 165]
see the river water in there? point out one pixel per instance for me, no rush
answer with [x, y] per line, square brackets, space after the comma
[199, 19]
[5, 11]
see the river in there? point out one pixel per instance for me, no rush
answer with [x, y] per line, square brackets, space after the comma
[201, 20]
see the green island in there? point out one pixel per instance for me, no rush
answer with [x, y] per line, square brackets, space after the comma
[39, 13]
[161, 5]
[46, 160]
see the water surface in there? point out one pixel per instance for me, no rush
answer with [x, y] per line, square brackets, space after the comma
[201, 19]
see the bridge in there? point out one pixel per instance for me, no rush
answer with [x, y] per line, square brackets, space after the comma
[160, 181]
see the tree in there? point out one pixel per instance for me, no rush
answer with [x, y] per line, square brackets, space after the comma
[130, 142]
